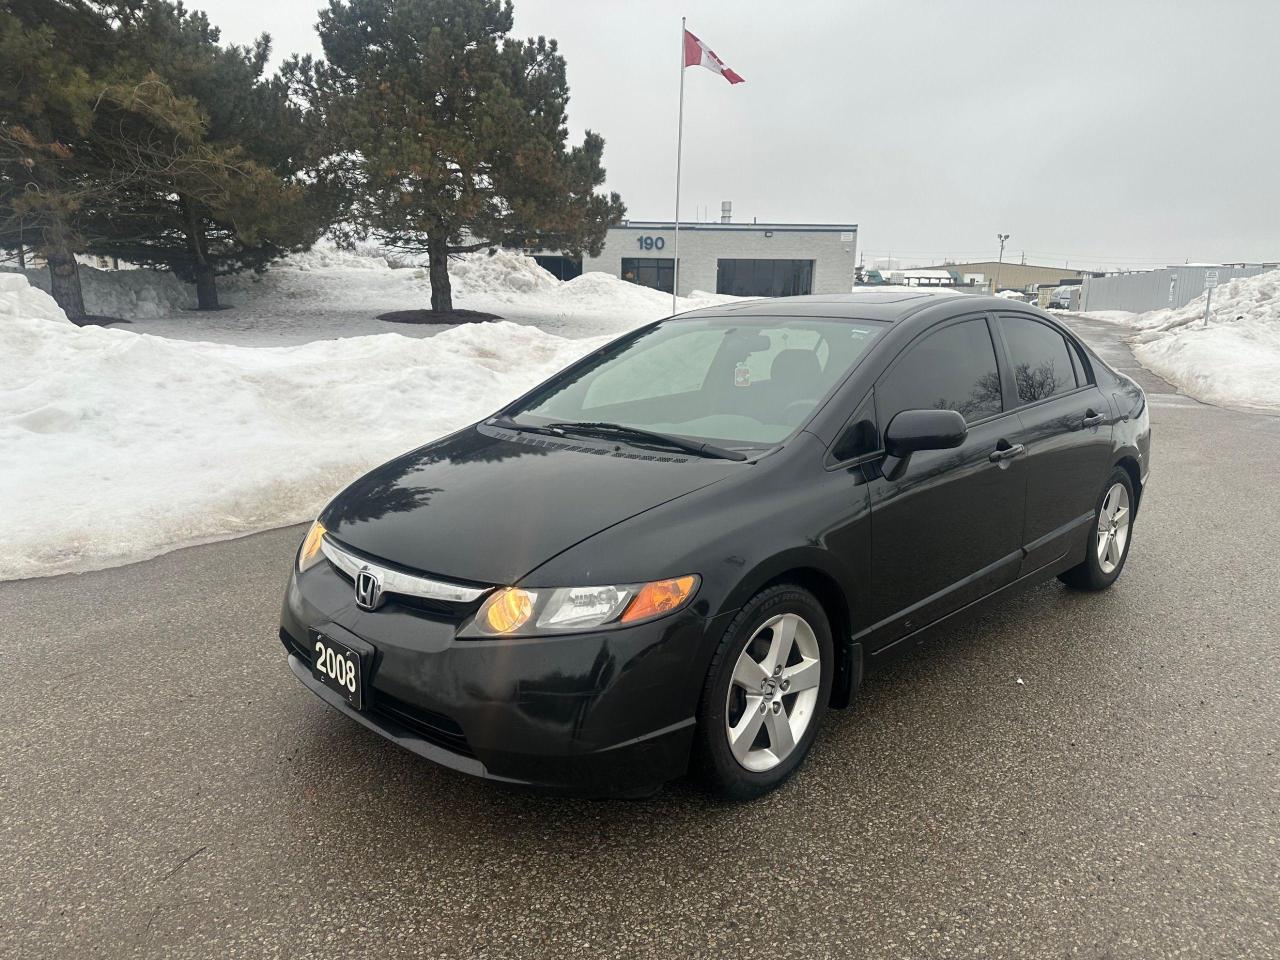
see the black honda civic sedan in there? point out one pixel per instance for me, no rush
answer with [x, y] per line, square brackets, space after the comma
[683, 549]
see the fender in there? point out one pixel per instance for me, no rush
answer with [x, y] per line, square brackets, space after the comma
[833, 583]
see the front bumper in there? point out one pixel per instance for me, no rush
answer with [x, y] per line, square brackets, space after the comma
[608, 713]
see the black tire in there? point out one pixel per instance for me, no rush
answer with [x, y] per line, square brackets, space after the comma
[714, 760]
[1088, 574]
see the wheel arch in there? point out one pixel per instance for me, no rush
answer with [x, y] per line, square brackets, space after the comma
[1129, 464]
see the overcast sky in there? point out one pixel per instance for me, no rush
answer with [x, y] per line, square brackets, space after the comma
[1106, 134]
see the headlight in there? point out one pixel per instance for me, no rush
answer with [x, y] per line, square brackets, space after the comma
[310, 554]
[513, 611]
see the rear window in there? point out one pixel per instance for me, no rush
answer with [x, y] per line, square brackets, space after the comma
[1041, 360]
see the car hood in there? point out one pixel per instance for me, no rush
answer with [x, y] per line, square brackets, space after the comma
[489, 505]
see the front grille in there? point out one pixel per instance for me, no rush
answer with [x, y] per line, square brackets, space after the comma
[398, 581]
[441, 610]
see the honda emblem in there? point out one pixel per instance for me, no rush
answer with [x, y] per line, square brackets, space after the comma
[368, 590]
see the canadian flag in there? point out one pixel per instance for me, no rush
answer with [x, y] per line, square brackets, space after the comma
[697, 53]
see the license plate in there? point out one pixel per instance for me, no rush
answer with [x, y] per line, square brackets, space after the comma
[338, 667]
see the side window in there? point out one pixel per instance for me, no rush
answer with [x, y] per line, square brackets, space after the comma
[953, 369]
[1040, 359]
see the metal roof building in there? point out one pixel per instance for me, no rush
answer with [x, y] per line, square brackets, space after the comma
[1172, 286]
[1012, 276]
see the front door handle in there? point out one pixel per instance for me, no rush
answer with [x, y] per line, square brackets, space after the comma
[1092, 419]
[1006, 453]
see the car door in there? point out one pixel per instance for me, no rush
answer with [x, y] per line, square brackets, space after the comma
[1067, 426]
[947, 529]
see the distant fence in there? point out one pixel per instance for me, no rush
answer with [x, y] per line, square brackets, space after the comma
[1155, 289]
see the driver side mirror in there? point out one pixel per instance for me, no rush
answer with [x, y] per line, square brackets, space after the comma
[913, 430]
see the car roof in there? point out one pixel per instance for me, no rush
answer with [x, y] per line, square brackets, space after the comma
[884, 305]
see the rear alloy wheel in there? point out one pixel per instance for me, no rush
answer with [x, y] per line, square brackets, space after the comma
[1108, 545]
[1113, 527]
[766, 692]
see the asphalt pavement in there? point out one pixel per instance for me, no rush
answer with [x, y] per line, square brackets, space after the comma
[1070, 776]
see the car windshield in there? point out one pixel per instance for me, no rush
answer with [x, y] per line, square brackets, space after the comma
[722, 380]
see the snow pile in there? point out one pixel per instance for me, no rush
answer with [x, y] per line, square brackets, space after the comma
[327, 256]
[18, 299]
[1234, 359]
[329, 292]
[118, 445]
[503, 276]
[127, 294]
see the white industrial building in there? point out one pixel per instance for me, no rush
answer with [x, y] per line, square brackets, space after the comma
[916, 277]
[742, 259]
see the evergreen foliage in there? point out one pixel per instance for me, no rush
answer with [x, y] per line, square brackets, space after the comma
[449, 135]
[236, 192]
[128, 129]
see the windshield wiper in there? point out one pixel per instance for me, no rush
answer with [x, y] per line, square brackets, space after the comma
[698, 447]
[560, 428]
[506, 423]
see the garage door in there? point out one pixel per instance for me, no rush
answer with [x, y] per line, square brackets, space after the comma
[764, 278]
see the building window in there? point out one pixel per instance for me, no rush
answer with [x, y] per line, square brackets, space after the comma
[560, 267]
[764, 278]
[656, 272]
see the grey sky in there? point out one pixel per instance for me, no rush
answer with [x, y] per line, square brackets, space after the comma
[1099, 133]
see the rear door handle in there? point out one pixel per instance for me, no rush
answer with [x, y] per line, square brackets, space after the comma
[1093, 419]
[1006, 453]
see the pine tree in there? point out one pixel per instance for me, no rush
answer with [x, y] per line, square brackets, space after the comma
[49, 94]
[449, 134]
[79, 128]
[235, 195]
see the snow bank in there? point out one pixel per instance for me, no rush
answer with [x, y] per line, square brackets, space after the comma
[504, 275]
[328, 292]
[127, 294]
[1233, 360]
[19, 300]
[118, 445]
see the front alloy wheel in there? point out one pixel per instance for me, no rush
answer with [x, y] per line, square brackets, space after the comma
[774, 690]
[765, 693]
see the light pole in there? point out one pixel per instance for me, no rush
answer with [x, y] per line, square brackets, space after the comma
[1002, 237]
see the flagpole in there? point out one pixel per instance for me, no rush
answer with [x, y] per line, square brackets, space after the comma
[675, 279]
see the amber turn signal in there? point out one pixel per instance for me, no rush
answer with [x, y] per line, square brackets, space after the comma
[659, 597]
[508, 610]
[310, 551]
